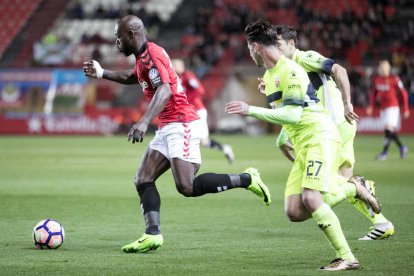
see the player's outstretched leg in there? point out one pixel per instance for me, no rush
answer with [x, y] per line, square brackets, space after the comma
[383, 228]
[210, 183]
[144, 244]
[257, 186]
[365, 192]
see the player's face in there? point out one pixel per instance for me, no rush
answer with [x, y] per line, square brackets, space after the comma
[254, 54]
[285, 47]
[384, 68]
[122, 41]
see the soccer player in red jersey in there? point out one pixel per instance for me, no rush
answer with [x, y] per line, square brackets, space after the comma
[176, 144]
[195, 91]
[384, 90]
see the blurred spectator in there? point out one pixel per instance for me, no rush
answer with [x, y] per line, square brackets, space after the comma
[358, 32]
[76, 11]
[52, 50]
[100, 12]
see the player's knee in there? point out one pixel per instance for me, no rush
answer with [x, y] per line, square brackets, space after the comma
[308, 199]
[294, 215]
[142, 178]
[185, 190]
[138, 181]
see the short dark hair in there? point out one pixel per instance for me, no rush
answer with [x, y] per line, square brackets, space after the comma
[261, 31]
[287, 33]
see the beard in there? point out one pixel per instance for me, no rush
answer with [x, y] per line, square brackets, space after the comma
[259, 61]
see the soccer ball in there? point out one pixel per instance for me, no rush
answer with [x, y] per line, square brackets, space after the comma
[48, 234]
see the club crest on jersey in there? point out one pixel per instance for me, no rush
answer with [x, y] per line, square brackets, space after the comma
[143, 84]
[154, 75]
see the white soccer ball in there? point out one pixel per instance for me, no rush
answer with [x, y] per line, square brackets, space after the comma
[48, 234]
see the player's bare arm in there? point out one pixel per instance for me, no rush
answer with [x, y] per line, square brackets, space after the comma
[93, 69]
[406, 114]
[157, 104]
[341, 78]
[287, 150]
[237, 107]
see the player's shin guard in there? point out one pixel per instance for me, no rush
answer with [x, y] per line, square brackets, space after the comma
[150, 206]
[328, 222]
[208, 183]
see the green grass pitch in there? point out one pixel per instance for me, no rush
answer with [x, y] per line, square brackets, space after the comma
[86, 183]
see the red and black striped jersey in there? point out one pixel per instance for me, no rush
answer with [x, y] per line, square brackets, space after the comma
[153, 68]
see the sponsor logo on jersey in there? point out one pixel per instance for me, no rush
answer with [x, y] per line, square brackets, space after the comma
[143, 84]
[382, 87]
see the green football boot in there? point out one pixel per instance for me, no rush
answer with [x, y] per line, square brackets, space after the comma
[144, 244]
[258, 187]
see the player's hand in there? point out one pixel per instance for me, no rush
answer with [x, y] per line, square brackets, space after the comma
[406, 114]
[137, 132]
[287, 150]
[261, 86]
[350, 115]
[369, 111]
[237, 107]
[93, 69]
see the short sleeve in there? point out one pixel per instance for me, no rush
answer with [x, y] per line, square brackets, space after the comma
[312, 61]
[158, 73]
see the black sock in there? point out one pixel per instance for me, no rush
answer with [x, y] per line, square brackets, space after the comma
[387, 141]
[215, 145]
[394, 137]
[208, 183]
[150, 205]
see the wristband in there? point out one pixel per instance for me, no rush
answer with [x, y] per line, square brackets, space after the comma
[98, 69]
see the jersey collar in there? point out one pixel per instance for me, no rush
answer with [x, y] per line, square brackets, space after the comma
[143, 47]
[279, 62]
